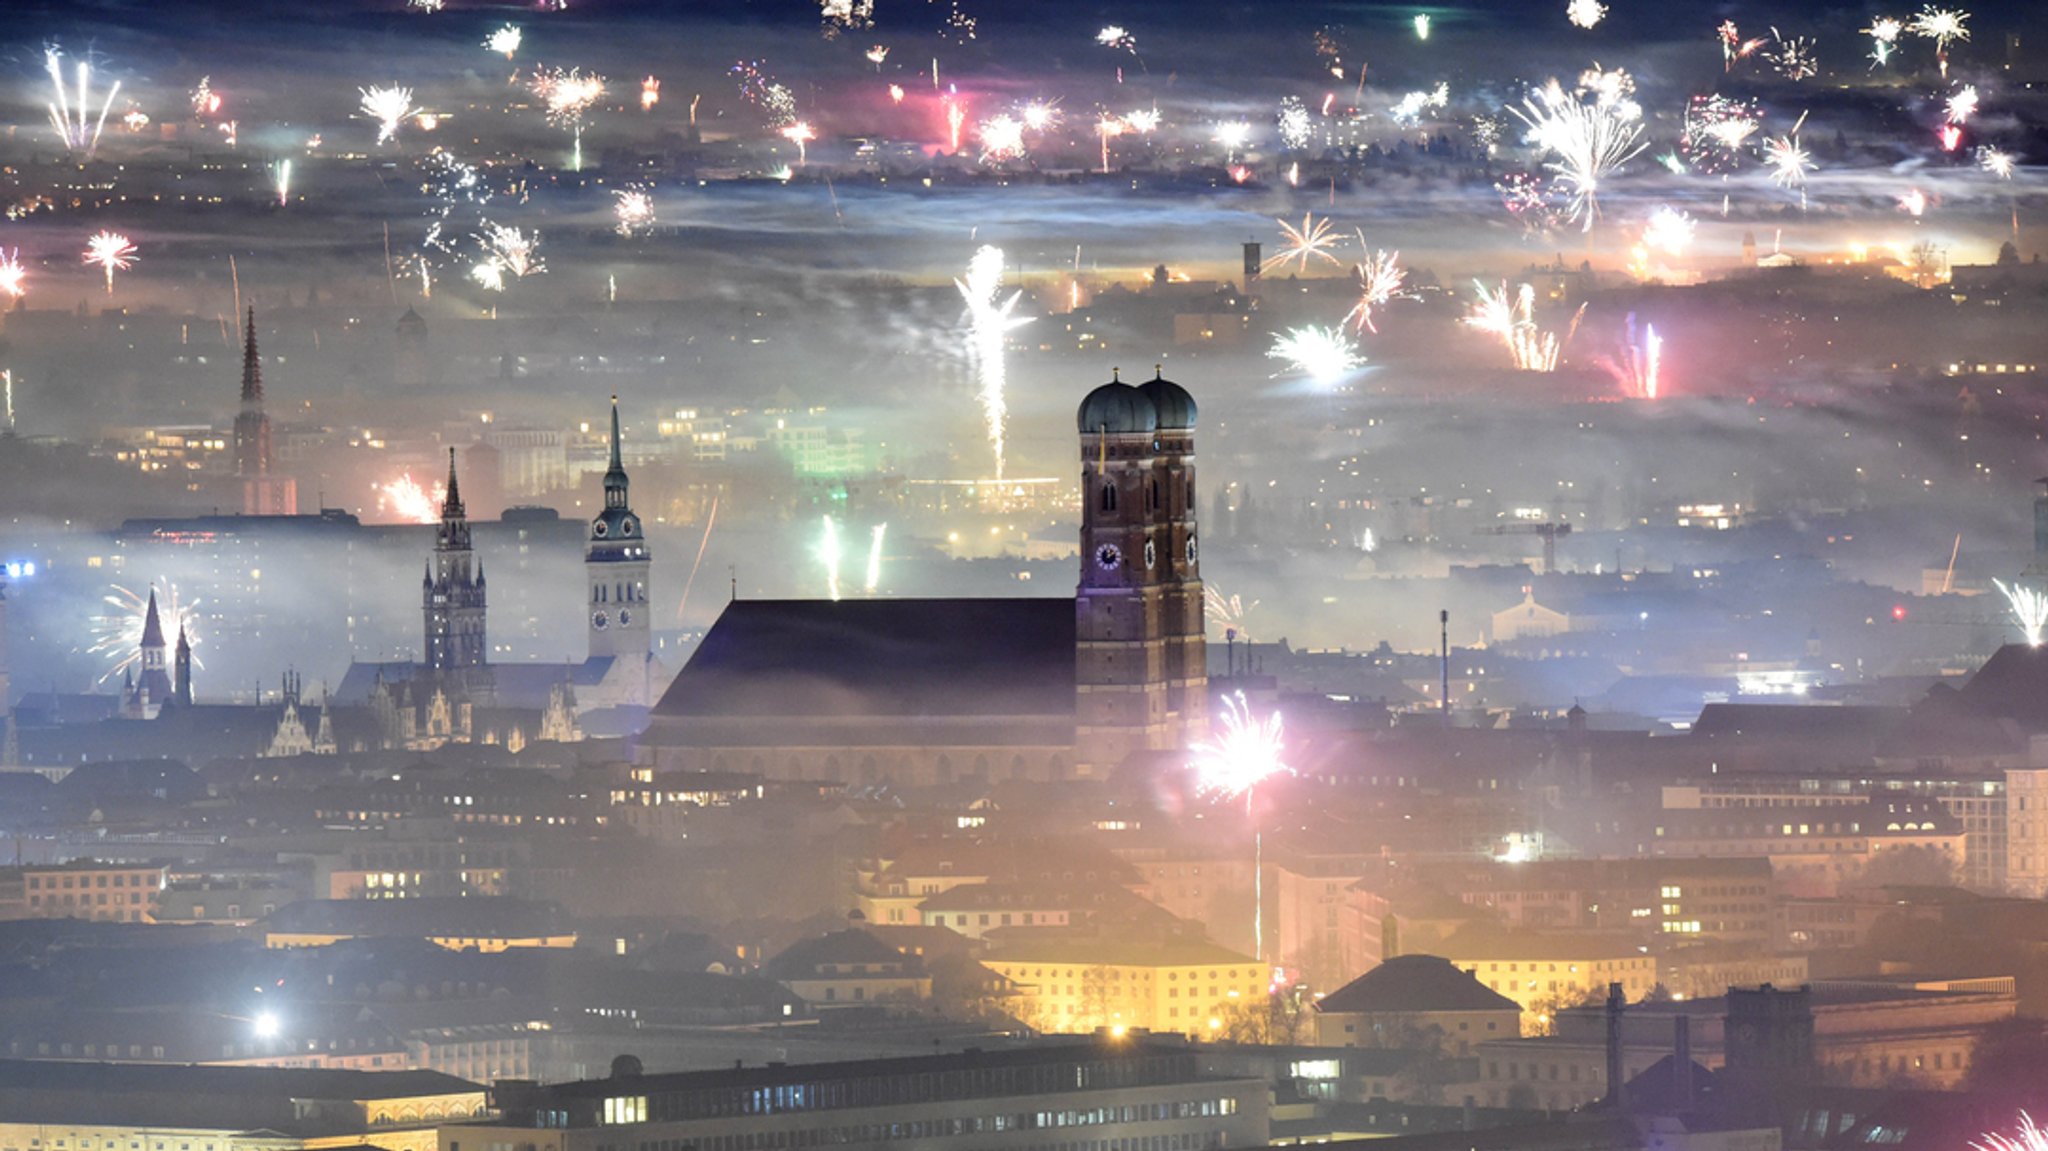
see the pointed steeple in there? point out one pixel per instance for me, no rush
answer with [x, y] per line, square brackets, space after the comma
[451, 507]
[152, 624]
[615, 474]
[616, 465]
[252, 368]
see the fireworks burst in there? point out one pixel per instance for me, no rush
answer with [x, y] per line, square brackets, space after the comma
[1039, 115]
[650, 94]
[1409, 109]
[764, 92]
[77, 127]
[1962, 105]
[1324, 355]
[1314, 239]
[1585, 13]
[1233, 135]
[1114, 36]
[1421, 25]
[1002, 138]
[1527, 198]
[112, 252]
[13, 277]
[505, 41]
[205, 101]
[1944, 26]
[1513, 320]
[1590, 138]
[117, 630]
[1669, 231]
[1793, 56]
[877, 54]
[1789, 163]
[634, 207]
[843, 15]
[406, 502]
[388, 106]
[507, 251]
[1717, 131]
[1379, 279]
[1247, 752]
[989, 322]
[800, 133]
[1295, 125]
[1996, 162]
[1913, 202]
[1884, 39]
[2030, 610]
[1733, 46]
[1642, 359]
[567, 98]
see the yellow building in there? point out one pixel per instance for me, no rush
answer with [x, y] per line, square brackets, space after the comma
[479, 924]
[166, 1107]
[1082, 983]
[1544, 972]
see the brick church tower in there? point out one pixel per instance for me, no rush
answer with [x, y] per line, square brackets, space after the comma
[1141, 674]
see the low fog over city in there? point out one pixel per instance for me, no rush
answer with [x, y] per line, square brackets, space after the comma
[600, 575]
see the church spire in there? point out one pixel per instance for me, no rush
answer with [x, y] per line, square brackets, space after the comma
[152, 624]
[617, 466]
[615, 475]
[451, 506]
[252, 367]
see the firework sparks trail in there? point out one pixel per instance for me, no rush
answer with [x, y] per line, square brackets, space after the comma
[1380, 278]
[1228, 612]
[1002, 138]
[1324, 355]
[829, 555]
[1109, 128]
[117, 630]
[2029, 609]
[13, 277]
[78, 128]
[633, 205]
[1234, 763]
[989, 322]
[1585, 13]
[1944, 26]
[505, 41]
[389, 106]
[205, 101]
[112, 252]
[1734, 47]
[1314, 239]
[1642, 359]
[1590, 139]
[281, 179]
[406, 502]
[1512, 319]
[873, 578]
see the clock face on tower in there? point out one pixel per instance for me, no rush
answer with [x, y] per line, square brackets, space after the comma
[625, 616]
[1151, 554]
[599, 529]
[1191, 549]
[599, 620]
[1108, 556]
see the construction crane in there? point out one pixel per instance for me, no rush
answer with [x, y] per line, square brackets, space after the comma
[1548, 531]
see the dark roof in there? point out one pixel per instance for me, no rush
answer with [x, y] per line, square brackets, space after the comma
[452, 917]
[1116, 407]
[516, 685]
[1410, 983]
[2012, 684]
[187, 1079]
[881, 658]
[803, 958]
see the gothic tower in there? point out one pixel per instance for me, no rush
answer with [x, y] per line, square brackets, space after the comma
[153, 690]
[452, 594]
[181, 683]
[1140, 660]
[264, 493]
[616, 564]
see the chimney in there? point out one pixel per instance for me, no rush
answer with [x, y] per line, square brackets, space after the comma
[1617, 1081]
[1681, 1059]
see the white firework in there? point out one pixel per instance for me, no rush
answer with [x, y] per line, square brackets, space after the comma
[13, 277]
[1002, 138]
[1324, 355]
[1294, 124]
[989, 322]
[2029, 609]
[1793, 56]
[1313, 239]
[505, 41]
[1585, 13]
[1944, 26]
[1379, 280]
[389, 106]
[1962, 105]
[1669, 231]
[1996, 162]
[1789, 163]
[511, 251]
[1512, 319]
[634, 207]
[1590, 139]
[77, 127]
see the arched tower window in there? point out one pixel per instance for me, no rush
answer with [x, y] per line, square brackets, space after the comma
[1109, 497]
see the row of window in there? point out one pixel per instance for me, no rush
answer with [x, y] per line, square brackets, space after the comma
[70, 882]
[633, 1109]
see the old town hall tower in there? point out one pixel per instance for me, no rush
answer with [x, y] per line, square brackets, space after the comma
[452, 594]
[1140, 675]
